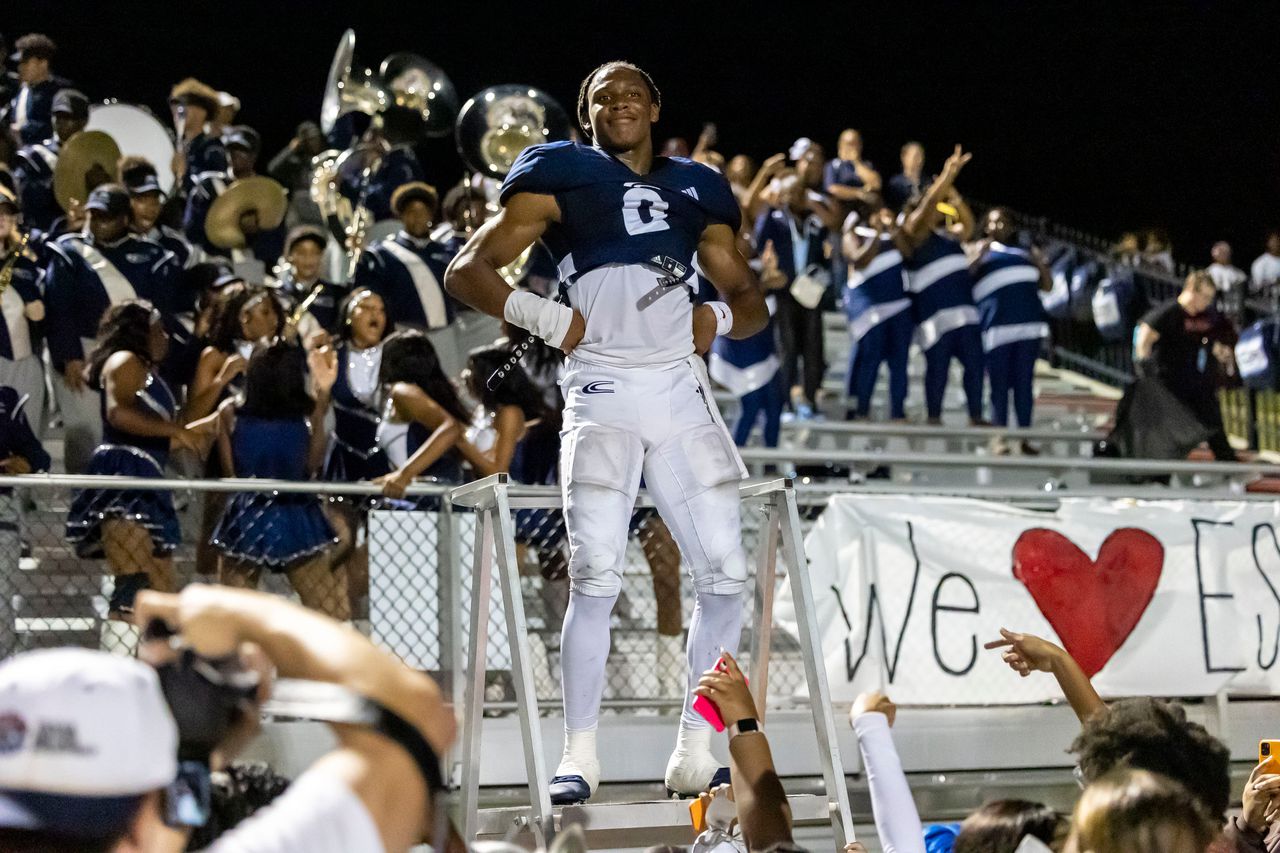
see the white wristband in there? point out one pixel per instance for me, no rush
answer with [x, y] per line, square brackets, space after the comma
[724, 317]
[547, 319]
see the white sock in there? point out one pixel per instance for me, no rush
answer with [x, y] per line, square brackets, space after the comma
[716, 623]
[691, 765]
[579, 758]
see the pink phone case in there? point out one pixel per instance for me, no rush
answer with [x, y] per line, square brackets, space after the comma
[708, 709]
[709, 712]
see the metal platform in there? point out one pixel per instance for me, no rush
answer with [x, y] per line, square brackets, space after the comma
[634, 824]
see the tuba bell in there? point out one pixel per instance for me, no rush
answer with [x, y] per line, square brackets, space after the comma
[420, 86]
[349, 90]
[501, 121]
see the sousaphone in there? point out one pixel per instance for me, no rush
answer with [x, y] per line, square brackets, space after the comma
[260, 195]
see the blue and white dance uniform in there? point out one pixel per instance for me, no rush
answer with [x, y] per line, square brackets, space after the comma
[941, 293]
[880, 327]
[1006, 288]
[399, 440]
[271, 529]
[534, 462]
[354, 453]
[128, 455]
[750, 369]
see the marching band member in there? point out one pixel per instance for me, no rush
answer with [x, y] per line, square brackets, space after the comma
[625, 227]
[399, 165]
[941, 293]
[878, 310]
[242, 145]
[30, 111]
[88, 272]
[224, 116]
[34, 164]
[193, 103]
[140, 178]
[21, 280]
[1006, 286]
[304, 253]
[407, 269]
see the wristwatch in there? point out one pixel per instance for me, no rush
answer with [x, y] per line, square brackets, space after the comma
[750, 724]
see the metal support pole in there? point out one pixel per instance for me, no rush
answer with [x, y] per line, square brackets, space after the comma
[541, 822]
[784, 503]
[473, 702]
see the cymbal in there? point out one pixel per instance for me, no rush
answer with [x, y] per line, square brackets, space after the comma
[259, 193]
[87, 159]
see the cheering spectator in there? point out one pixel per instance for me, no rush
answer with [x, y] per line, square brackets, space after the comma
[763, 812]
[1228, 278]
[1265, 271]
[910, 183]
[1178, 343]
[1144, 733]
[849, 178]
[941, 292]
[797, 234]
[740, 172]
[1156, 250]
[1135, 811]
[1128, 249]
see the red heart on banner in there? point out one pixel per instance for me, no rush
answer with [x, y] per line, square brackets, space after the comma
[1093, 605]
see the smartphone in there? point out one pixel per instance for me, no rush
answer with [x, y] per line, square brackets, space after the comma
[1269, 755]
[707, 708]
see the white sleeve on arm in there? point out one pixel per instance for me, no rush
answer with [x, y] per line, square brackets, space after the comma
[319, 813]
[897, 821]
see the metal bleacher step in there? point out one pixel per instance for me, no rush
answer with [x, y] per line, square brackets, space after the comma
[629, 824]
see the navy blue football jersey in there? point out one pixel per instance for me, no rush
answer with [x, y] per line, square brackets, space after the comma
[609, 214]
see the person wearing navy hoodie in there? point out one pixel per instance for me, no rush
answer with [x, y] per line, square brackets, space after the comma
[940, 289]
[1007, 281]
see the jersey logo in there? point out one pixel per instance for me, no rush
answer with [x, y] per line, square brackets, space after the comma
[691, 192]
[600, 386]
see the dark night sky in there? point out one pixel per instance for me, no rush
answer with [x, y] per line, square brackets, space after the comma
[1105, 117]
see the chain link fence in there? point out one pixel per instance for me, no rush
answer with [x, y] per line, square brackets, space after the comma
[71, 558]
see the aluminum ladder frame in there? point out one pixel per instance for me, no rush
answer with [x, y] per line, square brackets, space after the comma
[493, 500]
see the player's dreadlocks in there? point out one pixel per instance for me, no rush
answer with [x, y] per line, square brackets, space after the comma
[584, 112]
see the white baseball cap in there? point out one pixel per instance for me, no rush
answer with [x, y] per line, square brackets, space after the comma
[83, 735]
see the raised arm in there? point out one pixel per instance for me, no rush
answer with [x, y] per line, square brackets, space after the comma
[735, 280]
[897, 819]
[1027, 653]
[925, 216]
[763, 811]
[473, 277]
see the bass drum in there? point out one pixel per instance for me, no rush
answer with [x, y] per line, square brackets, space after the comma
[139, 134]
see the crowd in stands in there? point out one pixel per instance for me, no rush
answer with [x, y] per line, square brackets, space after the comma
[166, 351]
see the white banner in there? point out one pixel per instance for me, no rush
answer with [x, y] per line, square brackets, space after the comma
[1169, 598]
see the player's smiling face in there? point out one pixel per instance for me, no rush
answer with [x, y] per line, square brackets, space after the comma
[621, 109]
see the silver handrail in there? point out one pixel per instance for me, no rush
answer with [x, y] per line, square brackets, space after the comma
[764, 455]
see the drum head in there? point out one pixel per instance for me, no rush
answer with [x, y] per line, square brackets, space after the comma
[139, 134]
